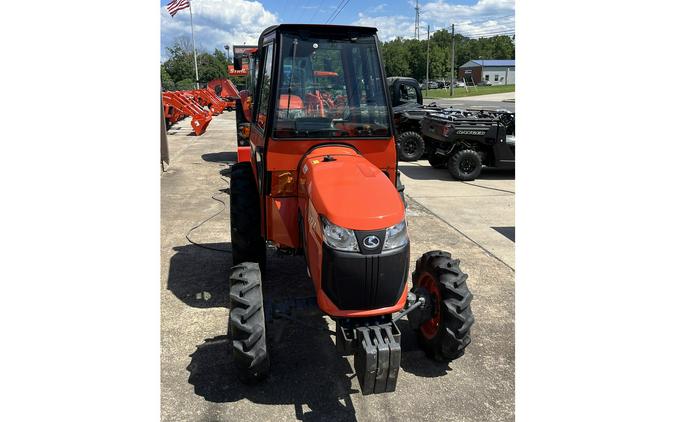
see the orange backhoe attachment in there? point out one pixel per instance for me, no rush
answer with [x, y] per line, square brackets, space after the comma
[207, 98]
[185, 104]
[225, 90]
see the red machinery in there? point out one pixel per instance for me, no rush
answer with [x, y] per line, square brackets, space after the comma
[179, 104]
[207, 98]
[225, 90]
[317, 176]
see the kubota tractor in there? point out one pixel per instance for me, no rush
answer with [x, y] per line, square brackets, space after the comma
[320, 179]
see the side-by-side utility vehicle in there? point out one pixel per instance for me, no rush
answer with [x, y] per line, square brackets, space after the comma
[463, 141]
[317, 176]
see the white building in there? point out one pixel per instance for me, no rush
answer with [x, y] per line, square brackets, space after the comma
[497, 72]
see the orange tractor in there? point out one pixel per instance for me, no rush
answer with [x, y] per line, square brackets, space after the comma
[317, 176]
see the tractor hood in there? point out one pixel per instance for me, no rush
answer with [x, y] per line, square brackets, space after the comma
[349, 190]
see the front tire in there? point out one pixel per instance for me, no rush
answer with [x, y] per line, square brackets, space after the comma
[446, 335]
[247, 243]
[411, 146]
[465, 164]
[246, 325]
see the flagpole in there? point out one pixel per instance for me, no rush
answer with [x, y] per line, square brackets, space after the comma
[194, 51]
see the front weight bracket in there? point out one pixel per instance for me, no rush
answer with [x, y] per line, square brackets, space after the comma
[377, 357]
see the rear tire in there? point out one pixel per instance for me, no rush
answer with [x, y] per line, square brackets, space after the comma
[445, 336]
[411, 146]
[247, 243]
[246, 325]
[465, 164]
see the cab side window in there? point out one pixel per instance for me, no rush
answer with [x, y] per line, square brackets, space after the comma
[265, 87]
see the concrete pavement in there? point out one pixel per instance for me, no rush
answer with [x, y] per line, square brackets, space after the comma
[309, 381]
[483, 209]
[491, 101]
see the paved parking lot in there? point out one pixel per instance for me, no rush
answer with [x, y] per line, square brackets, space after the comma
[309, 381]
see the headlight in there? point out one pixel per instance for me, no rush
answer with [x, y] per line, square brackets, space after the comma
[396, 236]
[338, 237]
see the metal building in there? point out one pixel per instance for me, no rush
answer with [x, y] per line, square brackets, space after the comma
[497, 72]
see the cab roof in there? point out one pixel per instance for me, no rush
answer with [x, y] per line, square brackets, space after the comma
[320, 29]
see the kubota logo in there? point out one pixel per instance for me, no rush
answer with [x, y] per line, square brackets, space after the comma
[371, 242]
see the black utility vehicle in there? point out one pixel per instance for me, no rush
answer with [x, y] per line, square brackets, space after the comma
[464, 140]
[406, 101]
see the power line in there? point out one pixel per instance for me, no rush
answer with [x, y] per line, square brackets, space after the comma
[487, 34]
[338, 10]
[509, 34]
[493, 29]
[490, 31]
[494, 18]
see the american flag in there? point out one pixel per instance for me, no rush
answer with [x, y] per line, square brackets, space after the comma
[177, 5]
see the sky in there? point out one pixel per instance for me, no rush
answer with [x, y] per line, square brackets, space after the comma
[226, 22]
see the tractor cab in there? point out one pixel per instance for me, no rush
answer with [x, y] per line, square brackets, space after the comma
[330, 86]
[320, 82]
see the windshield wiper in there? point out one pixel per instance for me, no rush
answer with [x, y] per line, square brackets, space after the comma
[290, 82]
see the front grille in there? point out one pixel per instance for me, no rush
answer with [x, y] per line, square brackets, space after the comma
[354, 281]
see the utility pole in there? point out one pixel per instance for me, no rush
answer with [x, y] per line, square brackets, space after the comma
[427, 59]
[452, 63]
[417, 20]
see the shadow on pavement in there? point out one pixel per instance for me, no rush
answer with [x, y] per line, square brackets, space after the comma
[497, 174]
[430, 173]
[413, 358]
[306, 372]
[198, 276]
[220, 157]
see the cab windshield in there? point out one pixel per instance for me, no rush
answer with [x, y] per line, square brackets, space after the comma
[330, 88]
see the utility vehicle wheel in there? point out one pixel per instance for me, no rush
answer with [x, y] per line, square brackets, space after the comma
[438, 161]
[446, 335]
[465, 164]
[247, 243]
[246, 325]
[411, 146]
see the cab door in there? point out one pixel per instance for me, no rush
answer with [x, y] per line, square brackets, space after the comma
[263, 113]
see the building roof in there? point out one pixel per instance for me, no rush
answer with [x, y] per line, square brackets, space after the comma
[489, 63]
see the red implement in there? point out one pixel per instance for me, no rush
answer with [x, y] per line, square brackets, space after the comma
[225, 90]
[207, 98]
[184, 103]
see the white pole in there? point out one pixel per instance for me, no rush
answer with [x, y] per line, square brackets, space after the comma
[194, 50]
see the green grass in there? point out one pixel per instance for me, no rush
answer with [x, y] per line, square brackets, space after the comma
[462, 92]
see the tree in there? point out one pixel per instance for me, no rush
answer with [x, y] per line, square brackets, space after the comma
[396, 58]
[408, 57]
[167, 83]
[180, 64]
[185, 85]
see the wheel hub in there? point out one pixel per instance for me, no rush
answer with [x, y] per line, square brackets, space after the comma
[410, 146]
[467, 165]
[430, 328]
